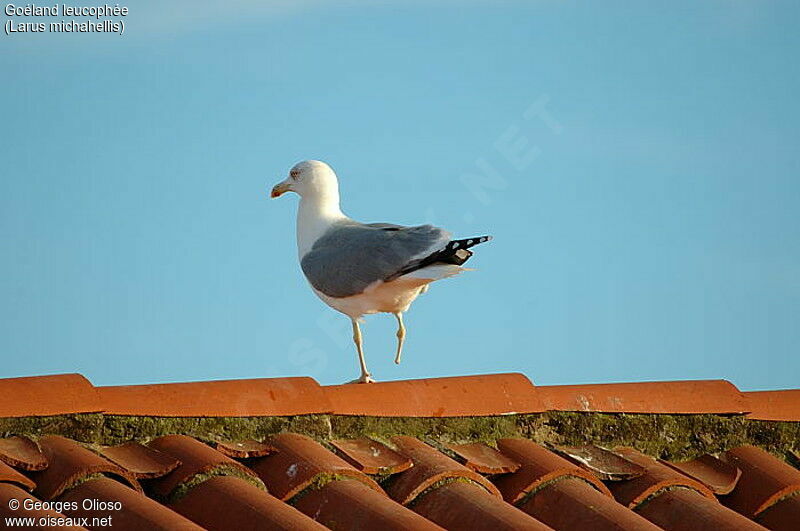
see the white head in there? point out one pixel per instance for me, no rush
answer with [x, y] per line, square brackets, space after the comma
[312, 180]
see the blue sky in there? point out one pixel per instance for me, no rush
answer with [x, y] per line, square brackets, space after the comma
[643, 189]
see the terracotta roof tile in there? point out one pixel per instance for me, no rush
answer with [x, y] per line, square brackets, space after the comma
[765, 480]
[244, 449]
[782, 516]
[603, 463]
[539, 466]
[657, 477]
[349, 504]
[484, 459]
[47, 395]
[136, 511]
[572, 503]
[682, 509]
[371, 457]
[142, 462]
[460, 505]
[10, 492]
[299, 463]
[717, 475]
[719, 396]
[225, 398]
[430, 467]
[69, 463]
[493, 394]
[774, 405]
[9, 475]
[308, 481]
[225, 502]
[196, 459]
[22, 453]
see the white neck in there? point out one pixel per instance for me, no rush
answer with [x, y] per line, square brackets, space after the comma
[314, 216]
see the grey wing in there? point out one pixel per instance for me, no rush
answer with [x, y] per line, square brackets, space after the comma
[350, 257]
[385, 226]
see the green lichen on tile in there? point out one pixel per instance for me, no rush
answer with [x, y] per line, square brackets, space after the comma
[528, 495]
[674, 437]
[83, 479]
[85, 427]
[441, 483]
[665, 436]
[223, 470]
[777, 437]
[319, 481]
[122, 428]
[454, 430]
[655, 494]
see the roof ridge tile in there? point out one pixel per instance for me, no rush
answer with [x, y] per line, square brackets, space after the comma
[782, 405]
[57, 394]
[667, 397]
[218, 398]
[453, 396]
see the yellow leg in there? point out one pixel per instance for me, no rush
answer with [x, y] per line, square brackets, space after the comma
[401, 336]
[366, 377]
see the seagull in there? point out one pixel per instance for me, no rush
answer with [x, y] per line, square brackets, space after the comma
[365, 268]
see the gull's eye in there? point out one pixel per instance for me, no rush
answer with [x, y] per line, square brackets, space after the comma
[294, 175]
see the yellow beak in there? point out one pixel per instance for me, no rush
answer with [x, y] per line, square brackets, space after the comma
[280, 189]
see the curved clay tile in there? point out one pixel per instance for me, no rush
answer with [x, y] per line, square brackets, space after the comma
[298, 463]
[9, 475]
[484, 459]
[714, 473]
[430, 467]
[539, 466]
[142, 462]
[657, 477]
[244, 449]
[226, 502]
[460, 505]
[783, 516]
[371, 457]
[571, 503]
[683, 509]
[224, 398]
[603, 463]
[136, 511]
[349, 504]
[462, 396]
[765, 480]
[774, 405]
[196, 458]
[10, 492]
[23, 453]
[61, 394]
[719, 396]
[69, 463]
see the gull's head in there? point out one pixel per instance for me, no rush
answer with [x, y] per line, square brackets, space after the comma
[310, 178]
